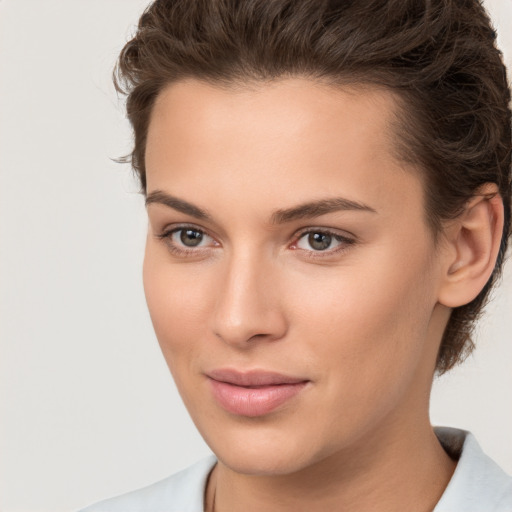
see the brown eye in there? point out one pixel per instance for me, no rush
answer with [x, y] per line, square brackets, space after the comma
[188, 241]
[319, 241]
[322, 241]
[190, 237]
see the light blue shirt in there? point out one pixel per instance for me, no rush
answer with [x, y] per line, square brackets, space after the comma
[477, 485]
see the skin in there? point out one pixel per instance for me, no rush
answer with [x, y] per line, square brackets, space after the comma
[361, 320]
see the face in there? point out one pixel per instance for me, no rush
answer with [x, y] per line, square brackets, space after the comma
[289, 272]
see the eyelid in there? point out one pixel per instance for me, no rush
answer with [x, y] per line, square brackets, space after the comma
[172, 228]
[344, 235]
[346, 239]
[167, 233]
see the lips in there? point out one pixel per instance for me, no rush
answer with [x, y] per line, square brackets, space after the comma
[254, 393]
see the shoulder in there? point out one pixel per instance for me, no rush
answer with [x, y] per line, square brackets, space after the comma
[181, 492]
[478, 483]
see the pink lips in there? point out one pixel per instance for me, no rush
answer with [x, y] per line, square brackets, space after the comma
[254, 393]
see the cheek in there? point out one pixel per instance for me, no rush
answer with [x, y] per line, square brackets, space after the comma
[367, 323]
[178, 300]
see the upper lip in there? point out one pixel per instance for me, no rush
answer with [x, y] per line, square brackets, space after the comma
[253, 377]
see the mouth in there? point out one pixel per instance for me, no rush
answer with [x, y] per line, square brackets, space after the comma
[254, 393]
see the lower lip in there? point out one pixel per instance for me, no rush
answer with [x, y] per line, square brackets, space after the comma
[252, 402]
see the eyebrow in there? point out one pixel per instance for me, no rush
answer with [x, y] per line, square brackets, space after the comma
[180, 205]
[318, 208]
[302, 211]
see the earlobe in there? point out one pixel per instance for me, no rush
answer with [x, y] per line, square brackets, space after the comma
[473, 244]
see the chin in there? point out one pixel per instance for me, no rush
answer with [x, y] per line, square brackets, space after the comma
[262, 450]
[262, 463]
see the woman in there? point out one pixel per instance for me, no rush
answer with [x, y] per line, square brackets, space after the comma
[328, 193]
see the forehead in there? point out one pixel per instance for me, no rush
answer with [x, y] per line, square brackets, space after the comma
[301, 137]
[285, 109]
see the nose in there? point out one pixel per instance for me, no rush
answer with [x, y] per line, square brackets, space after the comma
[249, 306]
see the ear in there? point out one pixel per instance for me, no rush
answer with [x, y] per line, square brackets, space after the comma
[472, 245]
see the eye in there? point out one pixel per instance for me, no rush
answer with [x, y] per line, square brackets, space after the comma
[187, 240]
[321, 241]
[189, 237]
[316, 241]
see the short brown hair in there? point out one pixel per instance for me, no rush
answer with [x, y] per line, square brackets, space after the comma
[439, 56]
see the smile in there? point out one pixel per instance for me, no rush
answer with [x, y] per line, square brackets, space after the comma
[254, 393]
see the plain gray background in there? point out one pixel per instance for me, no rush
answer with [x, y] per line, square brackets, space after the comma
[87, 407]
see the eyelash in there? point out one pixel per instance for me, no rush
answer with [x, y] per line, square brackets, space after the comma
[167, 237]
[344, 241]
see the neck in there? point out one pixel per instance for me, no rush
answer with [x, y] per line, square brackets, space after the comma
[405, 471]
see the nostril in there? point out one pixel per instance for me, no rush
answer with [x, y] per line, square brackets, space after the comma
[258, 336]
